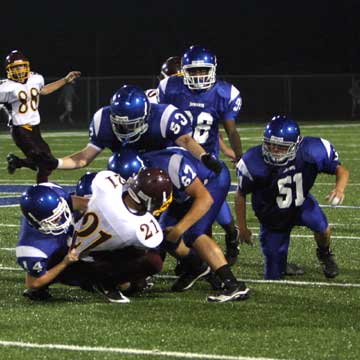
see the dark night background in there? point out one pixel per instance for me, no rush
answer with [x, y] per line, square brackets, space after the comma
[134, 37]
[310, 49]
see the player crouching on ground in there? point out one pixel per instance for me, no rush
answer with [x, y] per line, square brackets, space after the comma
[280, 174]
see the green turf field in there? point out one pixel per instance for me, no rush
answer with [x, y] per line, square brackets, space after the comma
[307, 317]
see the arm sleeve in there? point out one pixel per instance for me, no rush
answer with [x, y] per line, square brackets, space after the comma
[245, 179]
[178, 124]
[233, 105]
[323, 154]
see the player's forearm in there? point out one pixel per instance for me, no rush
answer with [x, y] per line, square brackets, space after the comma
[78, 160]
[342, 178]
[50, 88]
[198, 209]
[34, 283]
[240, 210]
[72, 162]
[188, 143]
[235, 143]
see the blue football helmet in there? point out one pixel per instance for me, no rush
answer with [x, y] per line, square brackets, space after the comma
[199, 68]
[129, 110]
[281, 140]
[46, 210]
[126, 163]
[83, 187]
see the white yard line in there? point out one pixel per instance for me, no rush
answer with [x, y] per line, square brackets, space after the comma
[254, 281]
[283, 282]
[128, 351]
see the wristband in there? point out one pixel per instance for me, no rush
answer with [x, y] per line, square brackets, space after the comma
[60, 162]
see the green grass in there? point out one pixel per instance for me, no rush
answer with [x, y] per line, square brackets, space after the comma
[281, 320]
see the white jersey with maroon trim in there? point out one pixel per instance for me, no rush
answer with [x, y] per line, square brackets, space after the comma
[23, 99]
[152, 95]
[109, 225]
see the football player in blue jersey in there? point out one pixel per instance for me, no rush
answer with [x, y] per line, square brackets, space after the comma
[131, 121]
[208, 102]
[198, 195]
[46, 228]
[280, 174]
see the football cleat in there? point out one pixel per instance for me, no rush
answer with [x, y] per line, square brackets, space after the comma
[214, 281]
[188, 279]
[235, 292]
[13, 163]
[38, 295]
[293, 270]
[112, 295]
[327, 262]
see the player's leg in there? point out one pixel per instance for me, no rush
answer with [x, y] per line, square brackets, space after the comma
[314, 218]
[211, 253]
[274, 246]
[226, 221]
[42, 156]
[23, 138]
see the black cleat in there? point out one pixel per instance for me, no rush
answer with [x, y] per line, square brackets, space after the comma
[13, 163]
[214, 281]
[294, 270]
[38, 295]
[139, 286]
[187, 280]
[180, 268]
[327, 262]
[232, 246]
[112, 295]
[235, 292]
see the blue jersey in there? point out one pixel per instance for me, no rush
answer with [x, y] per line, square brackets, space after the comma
[279, 191]
[183, 169]
[206, 109]
[36, 252]
[166, 124]
[181, 166]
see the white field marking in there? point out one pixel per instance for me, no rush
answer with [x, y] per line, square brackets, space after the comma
[7, 249]
[322, 206]
[128, 351]
[240, 128]
[305, 236]
[14, 205]
[98, 158]
[27, 182]
[55, 134]
[254, 281]
[7, 268]
[283, 282]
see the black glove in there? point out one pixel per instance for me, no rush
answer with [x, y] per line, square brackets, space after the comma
[211, 163]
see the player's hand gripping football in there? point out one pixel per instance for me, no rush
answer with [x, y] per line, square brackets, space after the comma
[335, 197]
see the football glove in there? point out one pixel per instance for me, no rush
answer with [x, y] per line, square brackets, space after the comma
[211, 163]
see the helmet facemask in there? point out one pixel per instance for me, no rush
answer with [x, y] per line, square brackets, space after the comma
[126, 130]
[278, 152]
[57, 223]
[18, 71]
[199, 76]
[129, 130]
